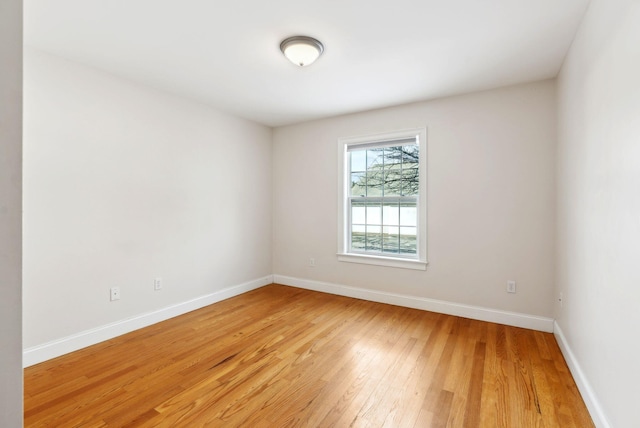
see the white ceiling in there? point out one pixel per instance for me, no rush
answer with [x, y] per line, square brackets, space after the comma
[377, 53]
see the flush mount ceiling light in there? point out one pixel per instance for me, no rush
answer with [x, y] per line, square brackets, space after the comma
[301, 50]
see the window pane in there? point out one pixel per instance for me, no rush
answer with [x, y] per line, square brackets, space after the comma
[358, 184]
[375, 172]
[390, 239]
[392, 180]
[410, 182]
[374, 214]
[358, 237]
[410, 156]
[374, 183]
[408, 214]
[375, 158]
[393, 155]
[358, 213]
[408, 240]
[391, 214]
[374, 238]
[410, 176]
[358, 160]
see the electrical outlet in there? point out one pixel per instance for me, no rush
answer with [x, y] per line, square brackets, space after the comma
[312, 262]
[115, 293]
[511, 286]
[157, 284]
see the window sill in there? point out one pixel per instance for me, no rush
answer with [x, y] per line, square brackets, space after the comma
[382, 261]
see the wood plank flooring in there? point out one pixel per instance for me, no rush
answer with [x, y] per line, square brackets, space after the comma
[286, 357]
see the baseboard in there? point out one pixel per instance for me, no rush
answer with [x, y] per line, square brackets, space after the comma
[588, 395]
[515, 319]
[56, 348]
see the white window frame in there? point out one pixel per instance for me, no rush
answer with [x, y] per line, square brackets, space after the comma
[419, 261]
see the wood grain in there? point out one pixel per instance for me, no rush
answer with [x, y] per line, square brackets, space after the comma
[286, 357]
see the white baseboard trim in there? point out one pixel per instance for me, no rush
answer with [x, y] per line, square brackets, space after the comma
[56, 348]
[515, 319]
[588, 395]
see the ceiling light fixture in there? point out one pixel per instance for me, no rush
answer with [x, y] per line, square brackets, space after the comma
[301, 50]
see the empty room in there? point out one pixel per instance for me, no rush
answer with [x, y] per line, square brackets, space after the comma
[332, 214]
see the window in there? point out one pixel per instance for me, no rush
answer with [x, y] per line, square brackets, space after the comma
[383, 199]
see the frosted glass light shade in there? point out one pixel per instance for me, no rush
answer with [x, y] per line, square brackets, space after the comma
[301, 50]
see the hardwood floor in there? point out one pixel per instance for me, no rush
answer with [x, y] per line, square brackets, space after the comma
[280, 356]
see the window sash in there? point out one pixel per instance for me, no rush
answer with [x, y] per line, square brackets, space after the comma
[381, 201]
[383, 168]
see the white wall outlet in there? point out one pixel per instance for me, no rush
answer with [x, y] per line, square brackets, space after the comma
[511, 286]
[157, 284]
[115, 293]
[312, 262]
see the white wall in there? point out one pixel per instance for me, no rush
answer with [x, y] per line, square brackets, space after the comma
[10, 213]
[491, 199]
[599, 208]
[124, 183]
